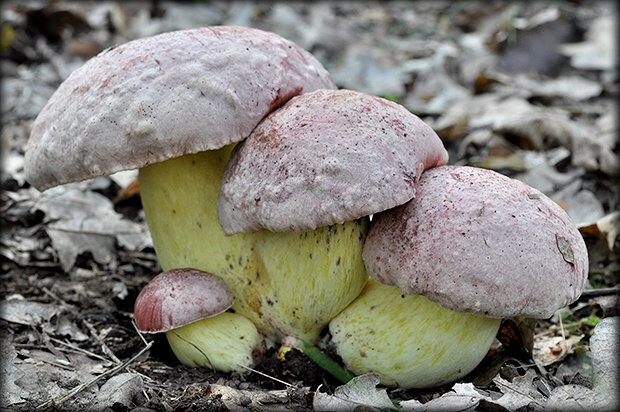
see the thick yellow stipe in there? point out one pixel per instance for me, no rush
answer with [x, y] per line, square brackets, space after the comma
[408, 340]
[286, 283]
[225, 342]
[305, 279]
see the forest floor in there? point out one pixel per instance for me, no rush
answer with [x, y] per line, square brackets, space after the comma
[528, 89]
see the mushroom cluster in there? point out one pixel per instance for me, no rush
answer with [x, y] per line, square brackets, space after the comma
[258, 178]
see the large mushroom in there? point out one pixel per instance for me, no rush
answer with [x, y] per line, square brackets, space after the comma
[173, 105]
[311, 173]
[189, 306]
[162, 97]
[474, 245]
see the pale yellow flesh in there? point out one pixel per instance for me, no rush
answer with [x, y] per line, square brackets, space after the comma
[286, 283]
[408, 340]
[225, 342]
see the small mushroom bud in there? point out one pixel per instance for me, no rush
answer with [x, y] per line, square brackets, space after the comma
[189, 306]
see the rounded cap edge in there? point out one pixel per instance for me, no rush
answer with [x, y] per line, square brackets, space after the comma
[324, 158]
[178, 297]
[164, 96]
[476, 241]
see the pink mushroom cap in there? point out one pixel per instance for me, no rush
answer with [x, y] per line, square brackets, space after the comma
[165, 96]
[476, 241]
[323, 158]
[179, 297]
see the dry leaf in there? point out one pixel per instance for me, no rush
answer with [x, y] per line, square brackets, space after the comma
[567, 87]
[534, 42]
[28, 313]
[551, 349]
[570, 87]
[565, 249]
[131, 191]
[610, 226]
[11, 394]
[536, 129]
[513, 161]
[576, 398]
[545, 178]
[583, 206]
[519, 393]
[244, 400]
[44, 381]
[84, 221]
[119, 390]
[370, 70]
[361, 390]
[516, 336]
[462, 397]
[598, 51]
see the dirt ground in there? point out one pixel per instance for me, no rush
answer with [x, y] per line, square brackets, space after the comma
[528, 89]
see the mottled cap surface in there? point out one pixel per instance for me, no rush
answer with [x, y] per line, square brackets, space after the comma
[476, 241]
[326, 157]
[178, 297]
[165, 96]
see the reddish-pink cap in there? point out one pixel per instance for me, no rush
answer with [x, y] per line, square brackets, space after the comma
[178, 297]
[326, 157]
[476, 241]
[165, 96]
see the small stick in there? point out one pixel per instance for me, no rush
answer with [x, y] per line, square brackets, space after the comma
[104, 347]
[265, 375]
[133, 322]
[62, 398]
[592, 293]
[54, 296]
[59, 362]
[78, 349]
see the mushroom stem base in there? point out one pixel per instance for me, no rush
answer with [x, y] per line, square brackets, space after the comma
[226, 342]
[408, 340]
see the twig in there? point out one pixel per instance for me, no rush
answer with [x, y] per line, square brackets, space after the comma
[592, 293]
[78, 349]
[54, 296]
[265, 375]
[58, 362]
[62, 398]
[104, 347]
[133, 322]
[562, 330]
